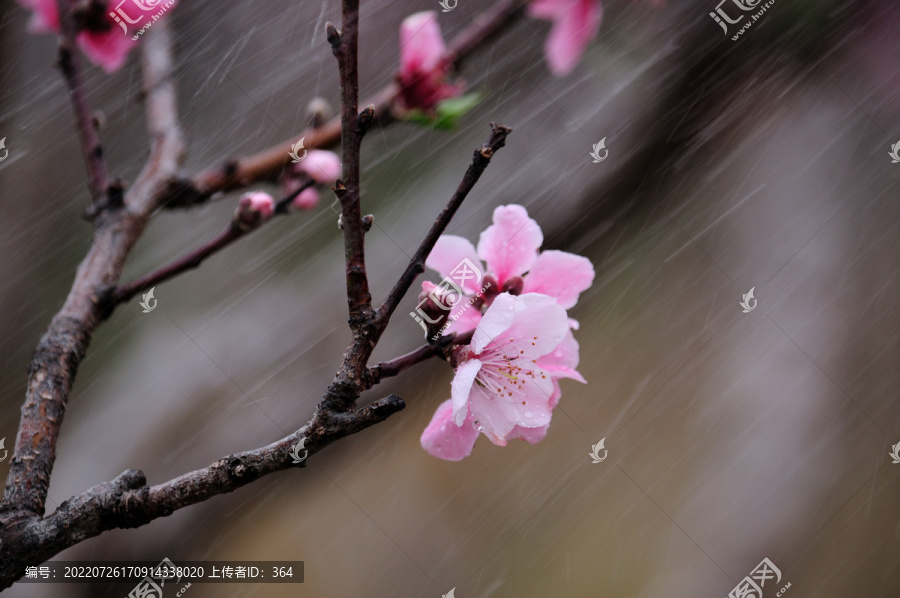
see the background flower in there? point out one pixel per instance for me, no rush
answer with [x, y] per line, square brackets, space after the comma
[575, 24]
[423, 69]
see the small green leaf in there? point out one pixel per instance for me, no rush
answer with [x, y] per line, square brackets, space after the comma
[448, 113]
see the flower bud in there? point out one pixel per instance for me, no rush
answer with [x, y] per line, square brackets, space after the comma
[253, 209]
[307, 200]
[319, 112]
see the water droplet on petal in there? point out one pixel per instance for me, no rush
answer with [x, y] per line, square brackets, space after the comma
[529, 414]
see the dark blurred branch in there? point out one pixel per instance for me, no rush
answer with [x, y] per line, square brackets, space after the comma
[268, 164]
[60, 350]
[70, 63]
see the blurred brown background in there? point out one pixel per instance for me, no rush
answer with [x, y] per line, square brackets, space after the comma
[732, 437]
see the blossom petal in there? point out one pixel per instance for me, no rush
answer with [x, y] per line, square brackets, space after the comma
[421, 45]
[575, 24]
[497, 414]
[562, 361]
[444, 439]
[461, 388]
[510, 245]
[530, 435]
[109, 50]
[307, 199]
[449, 252]
[540, 326]
[561, 275]
[322, 166]
[468, 320]
[45, 17]
[498, 318]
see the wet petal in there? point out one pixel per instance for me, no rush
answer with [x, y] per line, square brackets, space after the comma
[461, 388]
[449, 252]
[510, 245]
[443, 439]
[561, 275]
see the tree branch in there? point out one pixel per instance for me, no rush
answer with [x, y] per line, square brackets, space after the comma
[62, 347]
[26, 537]
[126, 502]
[442, 348]
[344, 46]
[70, 64]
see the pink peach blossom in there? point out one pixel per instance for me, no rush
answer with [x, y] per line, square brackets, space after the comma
[423, 68]
[511, 249]
[308, 199]
[575, 24]
[501, 387]
[322, 166]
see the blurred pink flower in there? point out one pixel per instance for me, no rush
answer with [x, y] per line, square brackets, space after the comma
[423, 68]
[575, 23]
[322, 166]
[103, 41]
[511, 249]
[307, 200]
[501, 387]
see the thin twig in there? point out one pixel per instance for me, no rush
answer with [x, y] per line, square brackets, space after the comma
[398, 365]
[192, 260]
[70, 63]
[416, 265]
